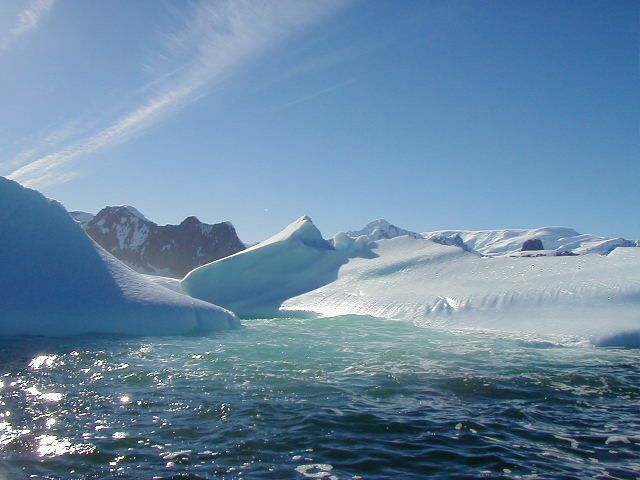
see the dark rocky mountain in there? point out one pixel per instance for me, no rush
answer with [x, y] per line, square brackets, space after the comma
[168, 250]
[532, 244]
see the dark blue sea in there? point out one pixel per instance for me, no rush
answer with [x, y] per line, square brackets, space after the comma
[338, 398]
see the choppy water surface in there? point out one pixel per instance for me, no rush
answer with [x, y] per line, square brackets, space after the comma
[341, 398]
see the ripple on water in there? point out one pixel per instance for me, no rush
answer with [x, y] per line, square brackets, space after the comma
[349, 397]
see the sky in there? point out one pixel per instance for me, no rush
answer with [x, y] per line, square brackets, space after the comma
[430, 114]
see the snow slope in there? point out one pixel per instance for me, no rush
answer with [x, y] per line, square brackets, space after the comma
[554, 239]
[592, 297]
[258, 279]
[55, 280]
[166, 282]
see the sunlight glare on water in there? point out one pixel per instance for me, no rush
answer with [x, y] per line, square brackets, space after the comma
[339, 398]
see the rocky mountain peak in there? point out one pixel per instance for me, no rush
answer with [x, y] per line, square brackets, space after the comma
[168, 250]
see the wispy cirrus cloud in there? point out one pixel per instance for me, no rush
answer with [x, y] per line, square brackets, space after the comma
[320, 93]
[28, 19]
[207, 44]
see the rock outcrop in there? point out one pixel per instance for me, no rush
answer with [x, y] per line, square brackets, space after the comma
[168, 250]
[532, 244]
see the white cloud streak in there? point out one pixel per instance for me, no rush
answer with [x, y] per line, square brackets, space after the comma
[320, 93]
[28, 19]
[212, 40]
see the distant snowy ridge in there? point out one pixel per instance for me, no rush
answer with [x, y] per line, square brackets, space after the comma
[257, 280]
[168, 250]
[381, 229]
[56, 281]
[554, 240]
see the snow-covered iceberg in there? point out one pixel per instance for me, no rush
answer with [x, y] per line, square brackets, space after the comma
[589, 296]
[594, 297]
[257, 280]
[54, 280]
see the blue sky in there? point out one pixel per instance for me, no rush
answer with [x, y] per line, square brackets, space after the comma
[430, 114]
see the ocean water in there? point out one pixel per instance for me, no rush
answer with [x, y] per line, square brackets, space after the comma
[338, 398]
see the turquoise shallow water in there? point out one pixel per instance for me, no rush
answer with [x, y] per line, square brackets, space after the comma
[347, 397]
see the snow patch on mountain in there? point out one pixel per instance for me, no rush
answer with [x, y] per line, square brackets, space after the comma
[135, 212]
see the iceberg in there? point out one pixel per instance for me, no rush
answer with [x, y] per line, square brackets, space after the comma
[257, 280]
[55, 280]
[590, 297]
[431, 283]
